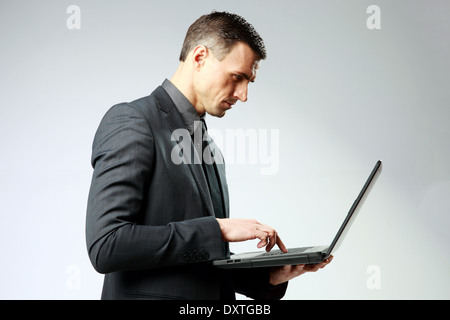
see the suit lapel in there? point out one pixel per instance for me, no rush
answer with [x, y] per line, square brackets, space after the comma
[174, 120]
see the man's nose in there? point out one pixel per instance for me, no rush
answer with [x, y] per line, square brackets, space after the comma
[241, 92]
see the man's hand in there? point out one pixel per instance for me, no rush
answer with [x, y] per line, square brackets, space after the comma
[235, 230]
[279, 275]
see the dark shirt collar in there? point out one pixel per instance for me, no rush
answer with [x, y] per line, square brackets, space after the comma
[183, 105]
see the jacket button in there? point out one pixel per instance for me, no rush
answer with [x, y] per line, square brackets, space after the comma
[204, 255]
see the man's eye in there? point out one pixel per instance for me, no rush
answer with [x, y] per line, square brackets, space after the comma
[238, 77]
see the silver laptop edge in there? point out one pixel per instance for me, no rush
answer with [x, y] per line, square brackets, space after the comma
[356, 207]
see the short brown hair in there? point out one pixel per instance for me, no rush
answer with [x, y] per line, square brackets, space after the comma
[219, 32]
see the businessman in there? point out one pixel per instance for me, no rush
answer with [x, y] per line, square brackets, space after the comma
[154, 224]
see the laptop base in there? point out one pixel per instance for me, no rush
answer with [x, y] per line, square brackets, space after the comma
[274, 258]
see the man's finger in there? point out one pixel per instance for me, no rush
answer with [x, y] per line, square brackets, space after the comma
[271, 235]
[272, 241]
[326, 261]
[281, 245]
[261, 235]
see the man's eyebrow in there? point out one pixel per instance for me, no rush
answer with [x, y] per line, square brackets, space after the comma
[246, 76]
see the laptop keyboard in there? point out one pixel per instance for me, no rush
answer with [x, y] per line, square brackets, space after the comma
[291, 251]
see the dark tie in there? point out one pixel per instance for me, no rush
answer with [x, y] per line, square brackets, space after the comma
[212, 176]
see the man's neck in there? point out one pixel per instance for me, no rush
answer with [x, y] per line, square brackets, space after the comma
[182, 79]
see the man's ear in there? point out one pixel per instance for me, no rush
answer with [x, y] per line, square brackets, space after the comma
[199, 56]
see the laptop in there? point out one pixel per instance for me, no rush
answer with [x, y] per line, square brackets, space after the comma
[303, 255]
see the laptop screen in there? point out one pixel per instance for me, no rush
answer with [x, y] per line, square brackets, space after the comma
[355, 208]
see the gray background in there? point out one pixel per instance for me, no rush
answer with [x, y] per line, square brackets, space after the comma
[342, 96]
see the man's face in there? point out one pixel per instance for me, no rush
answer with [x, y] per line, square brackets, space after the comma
[222, 83]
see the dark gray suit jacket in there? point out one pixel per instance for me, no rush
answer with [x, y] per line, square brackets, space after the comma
[150, 223]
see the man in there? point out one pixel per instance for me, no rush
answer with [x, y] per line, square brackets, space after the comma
[153, 224]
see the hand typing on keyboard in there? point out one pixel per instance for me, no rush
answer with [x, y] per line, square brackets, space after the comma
[235, 230]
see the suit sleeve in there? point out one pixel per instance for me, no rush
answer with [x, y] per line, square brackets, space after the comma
[122, 158]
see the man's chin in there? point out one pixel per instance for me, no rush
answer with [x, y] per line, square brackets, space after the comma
[218, 113]
[221, 115]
